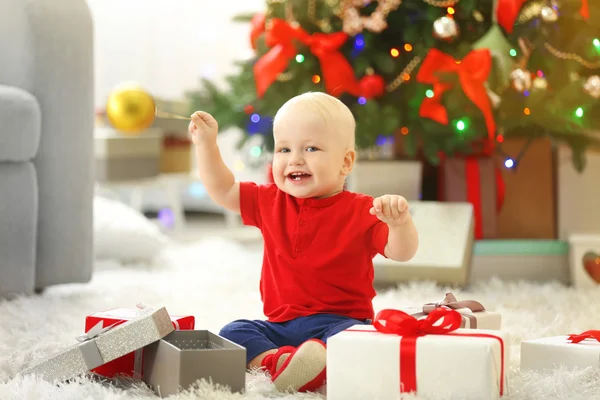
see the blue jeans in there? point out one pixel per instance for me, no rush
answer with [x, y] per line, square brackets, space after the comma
[260, 336]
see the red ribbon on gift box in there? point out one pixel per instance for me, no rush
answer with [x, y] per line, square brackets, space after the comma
[338, 74]
[591, 334]
[474, 192]
[441, 321]
[473, 195]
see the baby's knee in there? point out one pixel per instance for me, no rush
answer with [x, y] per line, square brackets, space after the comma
[235, 327]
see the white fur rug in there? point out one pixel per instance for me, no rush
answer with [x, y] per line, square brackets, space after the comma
[217, 281]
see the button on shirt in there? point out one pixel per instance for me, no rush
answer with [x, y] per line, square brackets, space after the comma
[318, 253]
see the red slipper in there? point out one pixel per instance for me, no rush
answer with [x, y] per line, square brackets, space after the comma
[303, 370]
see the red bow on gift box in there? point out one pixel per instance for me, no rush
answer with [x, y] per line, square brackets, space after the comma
[338, 74]
[591, 334]
[441, 321]
[472, 72]
[508, 11]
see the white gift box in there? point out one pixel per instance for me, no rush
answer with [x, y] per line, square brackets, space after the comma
[552, 352]
[470, 320]
[363, 363]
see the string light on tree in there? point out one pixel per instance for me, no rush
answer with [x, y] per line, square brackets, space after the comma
[460, 125]
[299, 58]
[394, 52]
[509, 163]
[579, 112]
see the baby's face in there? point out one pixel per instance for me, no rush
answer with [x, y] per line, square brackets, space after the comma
[309, 159]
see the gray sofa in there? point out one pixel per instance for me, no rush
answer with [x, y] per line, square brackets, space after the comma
[46, 144]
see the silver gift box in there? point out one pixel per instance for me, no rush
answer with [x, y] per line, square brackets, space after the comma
[109, 344]
[184, 357]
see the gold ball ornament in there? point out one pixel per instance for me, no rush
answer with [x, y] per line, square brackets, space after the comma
[549, 14]
[130, 109]
[445, 28]
[592, 86]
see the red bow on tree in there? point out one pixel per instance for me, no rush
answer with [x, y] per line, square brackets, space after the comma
[257, 28]
[507, 12]
[338, 74]
[472, 72]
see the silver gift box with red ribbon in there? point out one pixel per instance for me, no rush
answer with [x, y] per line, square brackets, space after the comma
[103, 344]
[431, 357]
[474, 314]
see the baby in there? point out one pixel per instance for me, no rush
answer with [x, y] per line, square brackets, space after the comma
[319, 239]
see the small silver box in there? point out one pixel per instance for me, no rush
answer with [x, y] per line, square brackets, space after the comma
[181, 358]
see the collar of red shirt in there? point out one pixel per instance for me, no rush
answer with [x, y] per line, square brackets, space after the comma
[321, 202]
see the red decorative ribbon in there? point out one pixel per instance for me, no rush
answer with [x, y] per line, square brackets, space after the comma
[473, 179]
[337, 72]
[472, 70]
[473, 195]
[257, 28]
[507, 12]
[584, 10]
[400, 323]
[591, 334]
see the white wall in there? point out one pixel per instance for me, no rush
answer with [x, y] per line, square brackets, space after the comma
[166, 45]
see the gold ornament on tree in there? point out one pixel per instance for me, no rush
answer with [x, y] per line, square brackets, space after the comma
[520, 77]
[445, 28]
[354, 23]
[592, 86]
[130, 109]
[521, 80]
[549, 14]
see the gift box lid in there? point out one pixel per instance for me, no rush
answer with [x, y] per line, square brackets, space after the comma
[103, 344]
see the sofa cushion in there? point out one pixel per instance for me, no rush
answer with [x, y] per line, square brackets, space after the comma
[20, 124]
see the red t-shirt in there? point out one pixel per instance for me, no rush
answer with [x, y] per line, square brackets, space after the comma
[318, 253]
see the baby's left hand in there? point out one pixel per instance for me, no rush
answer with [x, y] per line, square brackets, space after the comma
[391, 209]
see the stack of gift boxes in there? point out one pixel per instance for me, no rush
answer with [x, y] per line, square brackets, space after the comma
[446, 349]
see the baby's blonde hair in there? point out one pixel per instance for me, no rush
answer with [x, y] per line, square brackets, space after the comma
[334, 113]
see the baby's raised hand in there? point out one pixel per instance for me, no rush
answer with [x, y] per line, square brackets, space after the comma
[203, 128]
[391, 209]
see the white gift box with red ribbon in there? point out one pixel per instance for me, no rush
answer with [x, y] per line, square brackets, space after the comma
[573, 351]
[373, 362]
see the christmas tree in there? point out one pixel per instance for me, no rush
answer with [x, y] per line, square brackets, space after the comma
[406, 69]
[554, 87]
